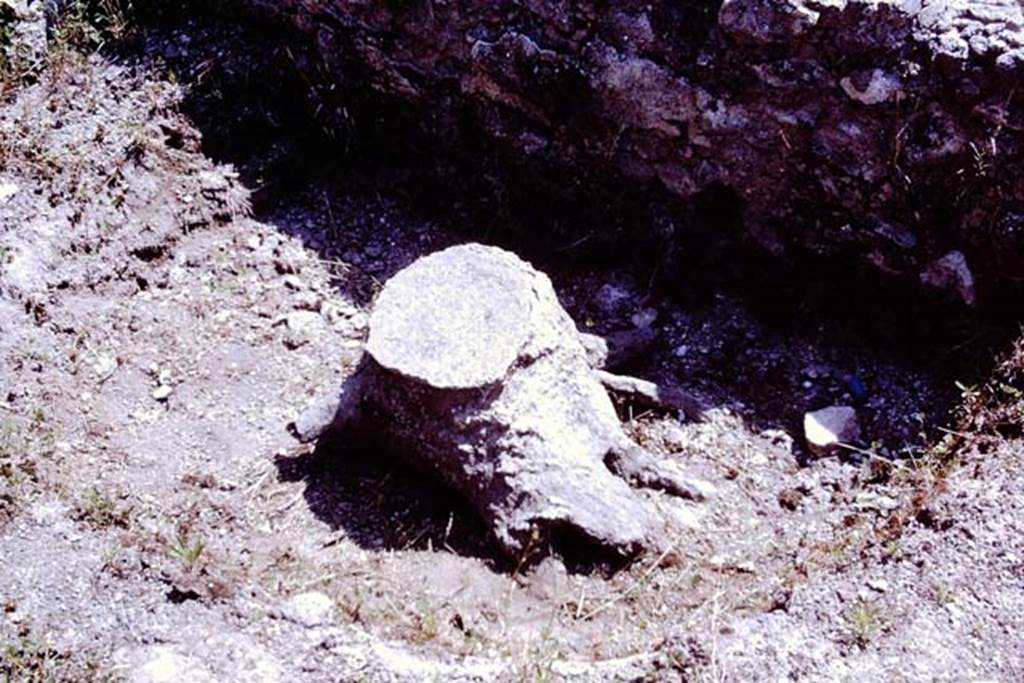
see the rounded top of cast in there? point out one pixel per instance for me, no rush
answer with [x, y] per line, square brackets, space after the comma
[470, 321]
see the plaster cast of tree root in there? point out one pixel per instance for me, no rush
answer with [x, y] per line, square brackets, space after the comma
[475, 373]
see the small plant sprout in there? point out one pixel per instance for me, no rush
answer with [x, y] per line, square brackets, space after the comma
[863, 621]
[540, 659]
[29, 660]
[187, 550]
[944, 595]
[101, 512]
[427, 620]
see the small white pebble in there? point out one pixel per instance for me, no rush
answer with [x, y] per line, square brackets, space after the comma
[309, 609]
[879, 585]
[827, 429]
[7, 190]
[645, 318]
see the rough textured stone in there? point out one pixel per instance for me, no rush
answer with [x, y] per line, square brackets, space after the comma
[7, 191]
[952, 272]
[332, 410]
[596, 349]
[162, 664]
[428, 325]
[309, 609]
[827, 428]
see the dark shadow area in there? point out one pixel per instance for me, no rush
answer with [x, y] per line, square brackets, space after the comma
[177, 596]
[297, 146]
[357, 486]
[314, 159]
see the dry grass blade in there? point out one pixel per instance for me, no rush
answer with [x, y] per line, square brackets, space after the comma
[632, 589]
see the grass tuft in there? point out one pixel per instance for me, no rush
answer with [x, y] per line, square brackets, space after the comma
[187, 550]
[863, 621]
[101, 512]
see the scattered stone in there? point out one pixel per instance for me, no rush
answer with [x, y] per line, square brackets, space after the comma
[7, 191]
[27, 266]
[725, 564]
[878, 585]
[303, 321]
[779, 437]
[790, 499]
[673, 437]
[548, 580]
[685, 516]
[746, 567]
[291, 262]
[644, 318]
[352, 327]
[827, 428]
[306, 301]
[162, 392]
[611, 299]
[309, 609]
[872, 87]
[213, 181]
[164, 665]
[652, 395]
[104, 366]
[293, 282]
[952, 272]
[337, 309]
[868, 500]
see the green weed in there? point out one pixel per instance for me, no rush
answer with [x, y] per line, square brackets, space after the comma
[863, 621]
[32, 661]
[427, 620]
[187, 550]
[944, 595]
[538, 665]
[101, 512]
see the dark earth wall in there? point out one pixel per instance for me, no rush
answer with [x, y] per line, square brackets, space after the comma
[885, 133]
